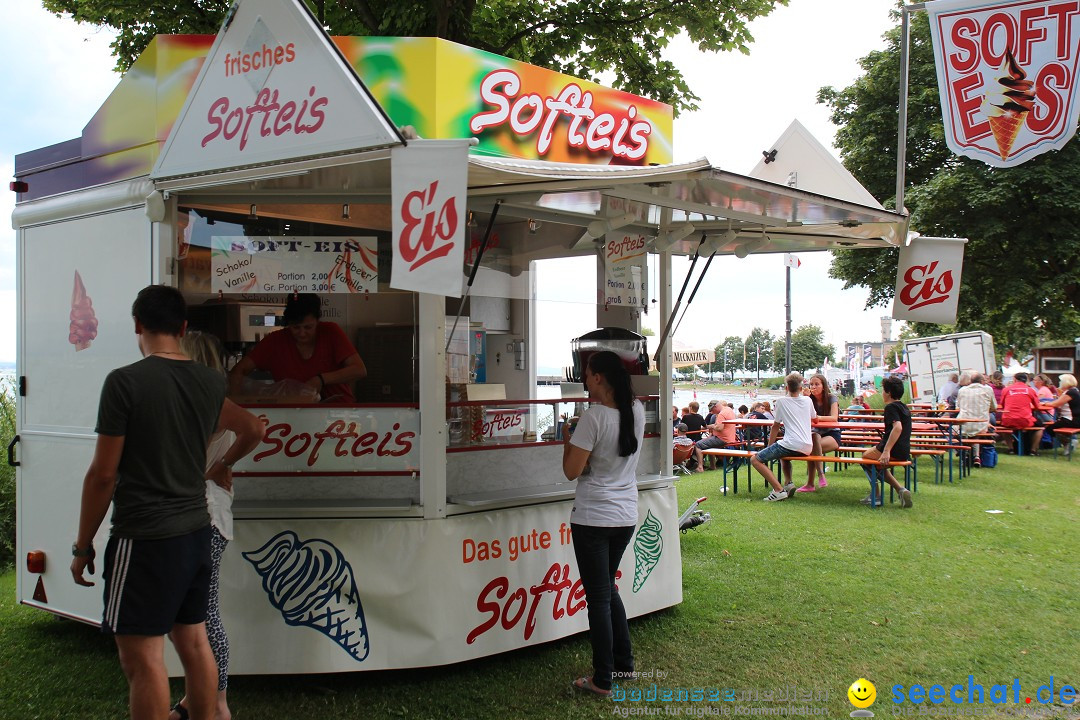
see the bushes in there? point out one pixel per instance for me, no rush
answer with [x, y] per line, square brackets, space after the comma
[7, 477]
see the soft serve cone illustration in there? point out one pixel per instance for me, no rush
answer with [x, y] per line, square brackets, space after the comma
[312, 584]
[648, 547]
[83, 323]
[1007, 107]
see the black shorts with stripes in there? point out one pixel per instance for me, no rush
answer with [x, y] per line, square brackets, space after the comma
[151, 585]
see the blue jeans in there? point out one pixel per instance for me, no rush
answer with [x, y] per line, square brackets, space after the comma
[598, 551]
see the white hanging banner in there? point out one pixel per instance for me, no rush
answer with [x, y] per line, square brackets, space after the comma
[1006, 76]
[625, 269]
[928, 280]
[428, 184]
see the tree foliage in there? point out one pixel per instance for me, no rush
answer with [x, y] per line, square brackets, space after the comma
[758, 341]
[7, 477]
[1021, 262]
[808, 349]
[584, 38]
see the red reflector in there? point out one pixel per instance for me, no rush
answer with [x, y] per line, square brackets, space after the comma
[39, 591]
[18, 186]
[35, 561]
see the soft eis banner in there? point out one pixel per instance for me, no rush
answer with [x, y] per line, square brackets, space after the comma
[428, 183]
[928, 280]
[1006, 75]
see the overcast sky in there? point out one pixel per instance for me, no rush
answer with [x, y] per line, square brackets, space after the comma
[60, 73]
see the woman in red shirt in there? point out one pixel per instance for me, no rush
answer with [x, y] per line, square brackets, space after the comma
[308, 350]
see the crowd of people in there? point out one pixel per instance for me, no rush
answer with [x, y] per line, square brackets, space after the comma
[984, 403]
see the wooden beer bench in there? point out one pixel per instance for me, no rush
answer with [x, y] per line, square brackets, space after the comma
[876, 497]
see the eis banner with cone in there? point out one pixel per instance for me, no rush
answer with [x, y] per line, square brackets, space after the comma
[1007, 76]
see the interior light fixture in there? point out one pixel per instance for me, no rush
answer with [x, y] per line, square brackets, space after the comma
[345, 211]
[751, 246]
[253, 214]
[598, 228]
[715, 243]
[673, 236]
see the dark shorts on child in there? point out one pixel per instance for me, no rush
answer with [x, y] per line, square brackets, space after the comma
[151, 585]
[896, 453]
[710, 443]
[776, 451]
[833, 433]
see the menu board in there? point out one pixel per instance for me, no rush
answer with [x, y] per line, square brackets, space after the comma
[294, 264]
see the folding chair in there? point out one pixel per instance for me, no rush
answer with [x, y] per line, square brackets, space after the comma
[679, 455]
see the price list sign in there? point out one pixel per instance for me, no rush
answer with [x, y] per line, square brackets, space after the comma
[294, 264]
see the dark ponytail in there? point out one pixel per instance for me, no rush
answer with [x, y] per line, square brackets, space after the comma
[608, 365]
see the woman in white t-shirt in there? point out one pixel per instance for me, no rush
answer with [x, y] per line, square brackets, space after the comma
[204, 348]
[608, 440]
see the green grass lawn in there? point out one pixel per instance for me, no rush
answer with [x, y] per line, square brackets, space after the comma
[816, 591]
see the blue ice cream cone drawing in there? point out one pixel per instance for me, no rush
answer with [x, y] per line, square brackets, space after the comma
[311, 583]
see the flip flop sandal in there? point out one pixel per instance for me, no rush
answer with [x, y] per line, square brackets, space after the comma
[585, 683]
[180, 710]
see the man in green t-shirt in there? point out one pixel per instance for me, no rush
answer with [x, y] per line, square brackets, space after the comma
[154, 420]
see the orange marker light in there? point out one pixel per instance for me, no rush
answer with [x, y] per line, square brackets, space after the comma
[35, 561]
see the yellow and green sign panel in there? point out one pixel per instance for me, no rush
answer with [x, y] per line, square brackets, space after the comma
[446, 90]
[440, 88]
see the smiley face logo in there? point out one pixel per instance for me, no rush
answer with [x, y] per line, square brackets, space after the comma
[862, 693]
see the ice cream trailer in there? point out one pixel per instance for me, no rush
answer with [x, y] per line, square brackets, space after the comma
[415, 185]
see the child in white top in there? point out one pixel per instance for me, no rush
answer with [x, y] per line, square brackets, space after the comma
[794, 413]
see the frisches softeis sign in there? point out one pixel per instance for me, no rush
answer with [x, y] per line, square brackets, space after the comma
[1007, 76]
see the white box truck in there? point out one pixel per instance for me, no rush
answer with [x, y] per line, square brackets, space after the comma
[931, 360]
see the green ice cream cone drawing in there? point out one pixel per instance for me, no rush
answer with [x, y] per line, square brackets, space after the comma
[648, 547]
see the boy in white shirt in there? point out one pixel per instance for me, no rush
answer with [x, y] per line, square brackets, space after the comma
[794, 413]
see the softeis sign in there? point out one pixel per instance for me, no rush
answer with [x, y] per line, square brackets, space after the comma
[1006, 76]
[272, 88]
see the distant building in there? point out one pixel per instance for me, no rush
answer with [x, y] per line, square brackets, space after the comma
[1053, 360]
[877, 353]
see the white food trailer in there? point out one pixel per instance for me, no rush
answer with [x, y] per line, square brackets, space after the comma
[933, 360]
[428, 522]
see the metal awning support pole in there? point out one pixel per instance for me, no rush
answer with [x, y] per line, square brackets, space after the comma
[472, 273]
[694, 293]
[674, 310]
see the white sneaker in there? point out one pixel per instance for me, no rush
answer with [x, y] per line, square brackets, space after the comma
[905, 498]
[776, 496]
[789, 489]
[867, 500]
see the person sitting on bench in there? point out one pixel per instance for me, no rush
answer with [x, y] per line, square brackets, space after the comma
[1019, 403]
[794, 412]
[896, 444]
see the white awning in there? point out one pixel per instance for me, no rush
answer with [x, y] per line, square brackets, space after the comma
[677, 205]
[734, 212]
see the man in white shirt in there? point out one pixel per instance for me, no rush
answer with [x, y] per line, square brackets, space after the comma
[948, 390]
[794, 413]
[975, 402]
